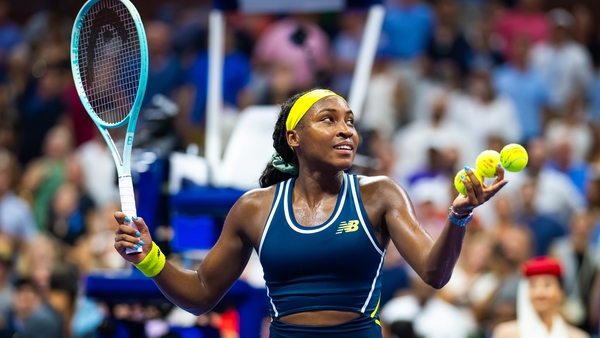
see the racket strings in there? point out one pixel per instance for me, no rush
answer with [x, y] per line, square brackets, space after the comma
[110, 60]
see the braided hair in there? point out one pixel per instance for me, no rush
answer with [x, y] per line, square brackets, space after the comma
[271, 175]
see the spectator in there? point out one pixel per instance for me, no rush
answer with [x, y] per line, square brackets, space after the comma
[412, 142]
[561, 159]
[37, 260]
[7, 119]
[592, 90]
[99, 248]
[41, 107]
[236, 75]
[99, 175]
[486, 114]
[440, 162]
[10, 37]
[164, 73]
[447, 43]
[580, 262]
[469, 271]
[406, 29]
[6, 287]
[423, 306]
[16, 218]
[395, 278]
[386, 100]
[585, 31]
[49, 23]
[526, 87]
[540, 295]
[44, 175]
[69, 214]
[565, 64]
[545, 229]
[299, 43]
[346, 46]
[486, 52]
[80, 317]
[504, 218]
[63, 295]
[526, 21]
[31, 315]
[573, 130]
[555, 194]
[429, 196]
[495, 293]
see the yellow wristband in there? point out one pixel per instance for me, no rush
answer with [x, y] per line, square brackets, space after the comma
[153, 263]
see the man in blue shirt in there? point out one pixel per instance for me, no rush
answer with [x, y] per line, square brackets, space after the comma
[406, 29]
[526, 88]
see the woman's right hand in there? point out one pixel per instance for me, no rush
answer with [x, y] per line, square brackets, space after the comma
[127, 236]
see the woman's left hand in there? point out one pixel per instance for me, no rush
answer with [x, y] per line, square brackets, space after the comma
[477, 192]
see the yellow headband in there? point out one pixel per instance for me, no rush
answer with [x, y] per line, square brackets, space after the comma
[303, 104]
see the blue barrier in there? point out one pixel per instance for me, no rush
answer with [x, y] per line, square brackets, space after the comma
[131, 285]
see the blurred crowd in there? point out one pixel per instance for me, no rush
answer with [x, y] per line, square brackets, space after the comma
[451, 78]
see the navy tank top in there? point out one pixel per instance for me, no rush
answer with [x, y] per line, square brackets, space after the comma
[333, 266]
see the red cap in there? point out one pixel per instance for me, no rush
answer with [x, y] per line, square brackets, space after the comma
[542, 266]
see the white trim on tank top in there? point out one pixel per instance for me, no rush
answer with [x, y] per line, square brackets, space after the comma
[360, 216]
[271, 215]
[262, 240]
[373, 284]
[364, 225]
[319, 228]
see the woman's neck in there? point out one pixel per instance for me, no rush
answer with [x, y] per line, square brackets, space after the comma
[313, 186]
[547, 318]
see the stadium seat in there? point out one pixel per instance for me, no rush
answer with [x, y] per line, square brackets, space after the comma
[249, 149]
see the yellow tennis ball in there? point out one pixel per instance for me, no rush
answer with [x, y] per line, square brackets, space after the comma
[487, 163]
[459, 185]
[514, 157]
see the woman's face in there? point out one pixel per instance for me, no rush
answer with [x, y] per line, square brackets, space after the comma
[545, 293]
[326, 135]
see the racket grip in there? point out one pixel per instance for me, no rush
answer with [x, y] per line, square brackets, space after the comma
[128, 205]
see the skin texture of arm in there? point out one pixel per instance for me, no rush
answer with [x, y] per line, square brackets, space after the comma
[392, 216]
[199, 291]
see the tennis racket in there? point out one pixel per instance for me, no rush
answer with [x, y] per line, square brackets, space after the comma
[109, 60]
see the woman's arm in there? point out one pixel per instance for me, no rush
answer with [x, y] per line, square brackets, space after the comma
[199, 291]
[433, 261]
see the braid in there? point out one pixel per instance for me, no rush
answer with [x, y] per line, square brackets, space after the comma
[271, 175]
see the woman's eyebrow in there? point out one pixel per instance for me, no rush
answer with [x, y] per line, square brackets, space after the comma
[333, 110]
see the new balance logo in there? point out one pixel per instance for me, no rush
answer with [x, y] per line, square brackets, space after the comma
[349, 226]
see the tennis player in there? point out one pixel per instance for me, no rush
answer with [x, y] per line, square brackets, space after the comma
[321, 234]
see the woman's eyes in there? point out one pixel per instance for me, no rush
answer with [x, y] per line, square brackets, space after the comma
[330, 119]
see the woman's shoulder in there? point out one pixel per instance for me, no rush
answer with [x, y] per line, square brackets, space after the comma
[379, 181]
[380, 188]
[379, 184]
[575, 332]
[257, 197]
[506, 330]
[252, 207]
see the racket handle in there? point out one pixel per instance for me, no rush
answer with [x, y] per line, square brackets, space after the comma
[128, 205]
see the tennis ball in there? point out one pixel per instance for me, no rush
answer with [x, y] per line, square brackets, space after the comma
[459, 185]
[514, 157]
[487, 163]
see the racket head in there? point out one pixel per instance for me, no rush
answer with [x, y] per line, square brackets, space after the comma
[109, 61]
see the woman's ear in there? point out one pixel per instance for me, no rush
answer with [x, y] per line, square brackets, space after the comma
[292, 138]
